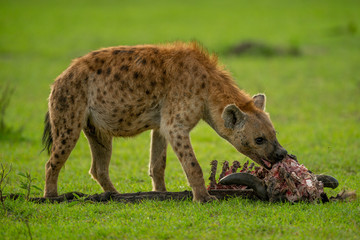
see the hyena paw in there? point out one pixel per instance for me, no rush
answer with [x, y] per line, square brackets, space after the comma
[50, 194]
[206, 199]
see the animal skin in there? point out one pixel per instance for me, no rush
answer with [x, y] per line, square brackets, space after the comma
[123, 91]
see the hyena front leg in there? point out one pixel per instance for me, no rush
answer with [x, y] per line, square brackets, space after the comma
[157, 160]
[101, 149]
[180, 142]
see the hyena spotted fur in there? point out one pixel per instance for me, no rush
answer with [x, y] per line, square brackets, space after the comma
[123, 91]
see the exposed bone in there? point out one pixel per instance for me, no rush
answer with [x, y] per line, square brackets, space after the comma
[235, 166]
[225, 168]
[245, 167]
[344, 195]
[251, 166]
[213, 173]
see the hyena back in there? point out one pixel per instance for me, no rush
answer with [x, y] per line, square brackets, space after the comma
[123, 91]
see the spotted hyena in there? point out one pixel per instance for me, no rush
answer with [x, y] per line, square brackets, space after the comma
[123, 91]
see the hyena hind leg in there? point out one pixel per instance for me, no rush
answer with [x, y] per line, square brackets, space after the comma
[157, 161]
[63, 139]
[101, 149]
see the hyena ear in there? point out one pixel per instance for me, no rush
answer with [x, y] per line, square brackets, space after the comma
[260, 101]
[233, 117]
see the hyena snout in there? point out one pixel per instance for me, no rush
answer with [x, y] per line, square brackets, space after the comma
[280, 154]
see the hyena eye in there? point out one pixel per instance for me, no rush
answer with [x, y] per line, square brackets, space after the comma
[259, 140]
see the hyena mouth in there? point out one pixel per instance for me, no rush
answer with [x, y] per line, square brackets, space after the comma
[266, 163]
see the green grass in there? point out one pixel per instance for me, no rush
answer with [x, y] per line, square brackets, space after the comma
[314, 102]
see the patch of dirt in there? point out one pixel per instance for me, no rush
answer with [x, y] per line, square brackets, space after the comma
[258, 48]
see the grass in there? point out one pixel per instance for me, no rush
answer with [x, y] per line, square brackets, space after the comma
[314, 102]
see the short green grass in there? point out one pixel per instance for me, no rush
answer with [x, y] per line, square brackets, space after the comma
[314, 102]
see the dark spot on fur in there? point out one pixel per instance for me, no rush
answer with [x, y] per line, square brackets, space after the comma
[62, 152]
[136, 75]
[56, 155]
[99, 71]
[186, 146]
[178, 144]
[193, 164]
[147, 92]
[108, 71]
[203, 85]
[62, 103]
[153, 83]
[143, 61]
[124, 68]
[71, 75]
[121, 120]
[181, 154]
[63, 142]
[164, 158]
[53, 166]
[69, 130]
[117, 76]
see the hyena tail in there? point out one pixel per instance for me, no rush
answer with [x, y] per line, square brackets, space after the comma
[47, 139]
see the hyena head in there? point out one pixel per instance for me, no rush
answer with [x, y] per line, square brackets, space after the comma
[253, 134]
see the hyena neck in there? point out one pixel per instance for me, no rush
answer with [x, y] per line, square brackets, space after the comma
[222, 92]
